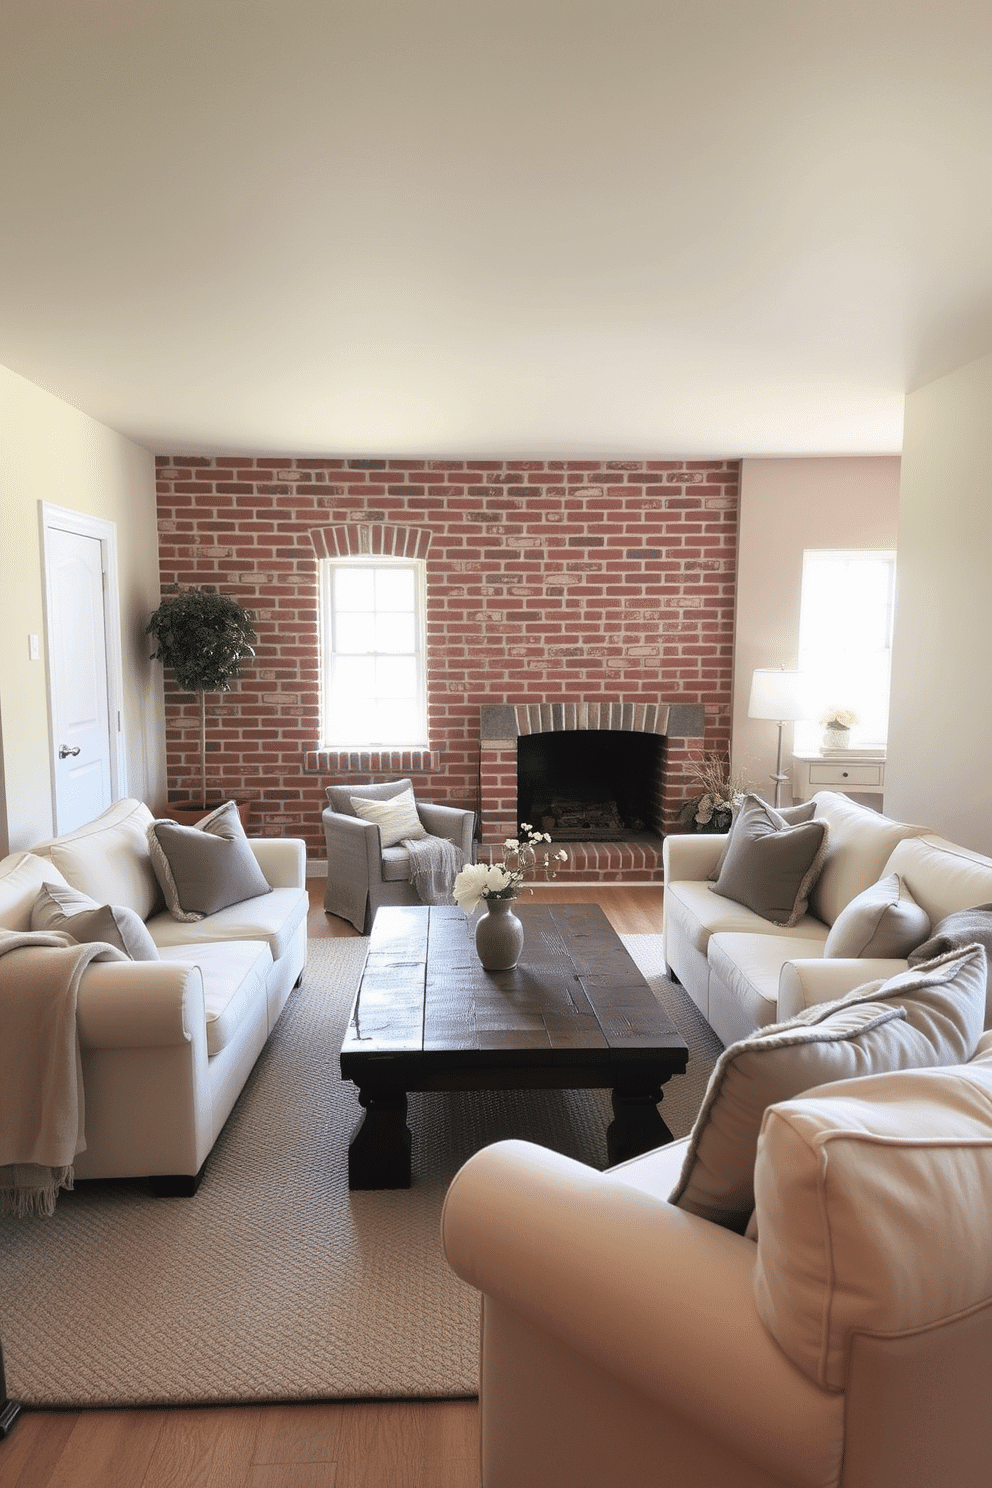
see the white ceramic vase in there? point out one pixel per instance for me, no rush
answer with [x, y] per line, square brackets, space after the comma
[499, 935]
[836, 738]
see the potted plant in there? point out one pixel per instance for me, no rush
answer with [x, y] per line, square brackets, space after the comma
[205, 637]
[722, 790]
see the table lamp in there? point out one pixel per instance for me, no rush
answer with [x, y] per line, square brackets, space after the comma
[778, 695]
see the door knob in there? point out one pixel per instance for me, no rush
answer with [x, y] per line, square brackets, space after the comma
[67, 750]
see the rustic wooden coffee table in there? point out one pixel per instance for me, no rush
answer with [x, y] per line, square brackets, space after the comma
[574, 1014]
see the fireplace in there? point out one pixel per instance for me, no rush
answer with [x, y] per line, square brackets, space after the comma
[650, 781]
[589, 785]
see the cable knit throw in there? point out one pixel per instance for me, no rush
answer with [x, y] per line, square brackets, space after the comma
[41, 1087]
[434, 862]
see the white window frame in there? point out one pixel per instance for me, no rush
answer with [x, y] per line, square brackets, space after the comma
[825, 667]
[330, 736]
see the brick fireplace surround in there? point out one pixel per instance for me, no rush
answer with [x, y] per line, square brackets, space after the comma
[597, 585]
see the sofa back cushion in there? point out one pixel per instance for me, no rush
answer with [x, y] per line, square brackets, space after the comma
[859, 845]
[21, 877]
[941, 876]
[874, 1208]
[109, 860]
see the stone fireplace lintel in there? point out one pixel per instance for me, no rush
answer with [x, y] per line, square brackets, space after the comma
[502, 723]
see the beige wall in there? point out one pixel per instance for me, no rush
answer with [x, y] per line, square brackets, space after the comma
[788, 505]
[51, 452]
[940, 714]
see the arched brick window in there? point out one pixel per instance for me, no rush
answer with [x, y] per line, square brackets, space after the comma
[373, 629]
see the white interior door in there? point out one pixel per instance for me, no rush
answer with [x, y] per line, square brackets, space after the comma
[81, 666]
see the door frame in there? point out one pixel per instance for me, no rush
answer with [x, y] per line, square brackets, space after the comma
[82, 524]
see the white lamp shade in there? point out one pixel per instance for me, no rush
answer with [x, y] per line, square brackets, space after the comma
[778, 694]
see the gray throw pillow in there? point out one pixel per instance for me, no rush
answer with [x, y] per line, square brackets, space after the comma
[770, 866]
[803, 811]
[885, 920]
[932, 1015]
[85, 920]
[207, 867]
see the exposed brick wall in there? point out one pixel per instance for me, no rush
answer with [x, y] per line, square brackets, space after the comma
[547, 580]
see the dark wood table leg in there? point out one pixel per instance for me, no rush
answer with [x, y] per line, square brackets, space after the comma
[637, 1124]
[380, 1151]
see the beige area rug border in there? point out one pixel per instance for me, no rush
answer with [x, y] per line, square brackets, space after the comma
[275, 1283]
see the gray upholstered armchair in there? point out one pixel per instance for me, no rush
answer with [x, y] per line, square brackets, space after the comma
[361, 873]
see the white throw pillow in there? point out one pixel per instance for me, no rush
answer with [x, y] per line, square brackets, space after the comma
[930, 1015]
[884, 921]
[396, 818]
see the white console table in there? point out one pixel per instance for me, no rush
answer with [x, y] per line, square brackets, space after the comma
[850, 773]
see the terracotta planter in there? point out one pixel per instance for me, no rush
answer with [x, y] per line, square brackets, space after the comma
[188, 816]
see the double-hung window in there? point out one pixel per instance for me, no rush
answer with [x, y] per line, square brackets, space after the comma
[373, 653]
[845, 639]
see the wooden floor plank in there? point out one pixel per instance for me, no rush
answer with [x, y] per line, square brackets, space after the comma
[409, 1445]
[298, 1434]
[28, 1456]
[204, 1448]
[107, 1447]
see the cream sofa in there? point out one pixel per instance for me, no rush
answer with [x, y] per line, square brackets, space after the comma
[625, 1340]
[167, 1044]
[743, 972]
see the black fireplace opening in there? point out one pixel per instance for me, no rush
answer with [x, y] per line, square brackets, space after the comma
[593, 785]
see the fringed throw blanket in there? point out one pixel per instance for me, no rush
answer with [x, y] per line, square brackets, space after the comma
[434, 862]
[41, 1087]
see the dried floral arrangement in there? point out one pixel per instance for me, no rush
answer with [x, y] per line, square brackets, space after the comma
[722, 790]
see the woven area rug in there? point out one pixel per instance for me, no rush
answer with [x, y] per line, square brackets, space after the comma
[275, 1283]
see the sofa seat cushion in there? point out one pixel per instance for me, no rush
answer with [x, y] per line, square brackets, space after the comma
[274, 918]
[109, 858]
[931, 1015]
[749, 966]
[699, 912]
[395, 865]
[874, 1204]
[234, 974]
[654, 1173]
[21, 877]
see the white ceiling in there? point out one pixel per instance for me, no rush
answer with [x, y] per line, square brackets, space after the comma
[495, 227]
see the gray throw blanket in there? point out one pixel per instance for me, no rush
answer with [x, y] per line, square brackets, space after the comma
[960, 928]
[434, 863]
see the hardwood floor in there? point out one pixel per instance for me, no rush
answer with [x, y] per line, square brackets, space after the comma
[405, 1444]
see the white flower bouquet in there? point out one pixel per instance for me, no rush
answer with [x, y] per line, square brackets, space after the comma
[839, 718]
[506, 880]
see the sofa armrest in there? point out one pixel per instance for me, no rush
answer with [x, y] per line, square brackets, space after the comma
[656, 1296]
[692, 855]
[139, 1004]
[802, 984]
[283, 860]
[453, 822]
